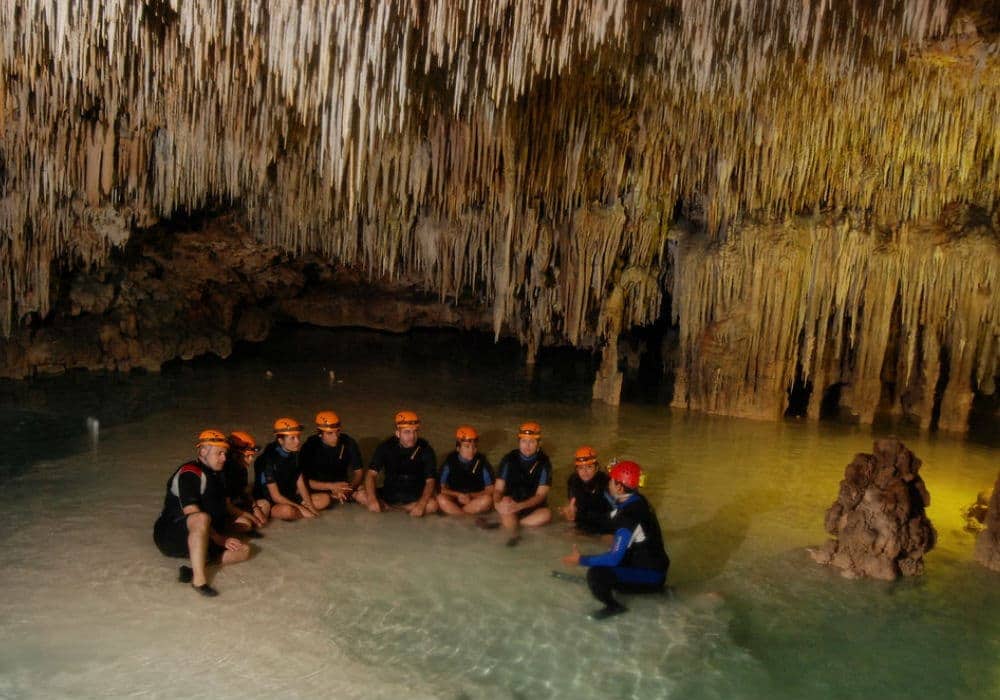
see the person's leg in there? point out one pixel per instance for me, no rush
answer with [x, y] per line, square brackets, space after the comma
[361, 496]
[283, 511]
[321, 500]
[538, 517]
[448, 505]
[198, 525]
[432, 507]
[479, 504]
[602, 580]
[236, 556]
[262, 509]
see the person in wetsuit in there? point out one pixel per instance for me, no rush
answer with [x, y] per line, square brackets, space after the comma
[637, 561]
[194, 515]
[246, 513]
[410, 469]
[523, 481]
[587, 490]
[331, 460]
[466, 477]
[278, 477]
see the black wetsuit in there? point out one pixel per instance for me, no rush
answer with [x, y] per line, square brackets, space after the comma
[592, 504]
[637, 562]
[466, 477]
[276, 466]
[320, 462]
[406, 469]
[192, 483]
[236, 478]
[522, 476]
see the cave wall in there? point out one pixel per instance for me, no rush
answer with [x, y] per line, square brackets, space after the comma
[533, 158]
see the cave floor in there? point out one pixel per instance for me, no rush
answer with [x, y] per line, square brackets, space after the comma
[355, 605]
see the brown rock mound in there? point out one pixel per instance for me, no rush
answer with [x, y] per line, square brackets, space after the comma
[879, 519]
[988, 542]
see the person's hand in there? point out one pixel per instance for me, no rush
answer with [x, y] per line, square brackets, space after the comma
[417, 511]
[341, 492]
[506, 506]
[233, 544]
[308, 511]
[463, 499]
[572, 559]
[569, 511]
[258, 519]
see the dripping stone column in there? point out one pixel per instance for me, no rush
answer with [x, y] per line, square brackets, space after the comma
[988, 542]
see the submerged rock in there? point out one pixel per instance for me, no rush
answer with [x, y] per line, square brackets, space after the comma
[975, 515]
[988, 542]
[879, 519]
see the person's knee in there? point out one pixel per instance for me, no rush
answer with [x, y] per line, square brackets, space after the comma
[198, 523]
[321, 501]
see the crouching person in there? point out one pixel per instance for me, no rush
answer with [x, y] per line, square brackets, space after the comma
[194, 515]
[637, 561]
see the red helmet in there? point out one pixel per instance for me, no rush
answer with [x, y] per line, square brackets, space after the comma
[627, 473]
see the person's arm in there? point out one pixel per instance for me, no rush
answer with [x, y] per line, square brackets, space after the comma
[445, 489]
[307, 505]
[541, 493]
[373, 503]
[498, 489]
[428, 493]
[614, 556]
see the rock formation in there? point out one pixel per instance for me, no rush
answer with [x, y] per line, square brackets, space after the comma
[879, 519]
[538, 157]
[975, 515]
[988, 541]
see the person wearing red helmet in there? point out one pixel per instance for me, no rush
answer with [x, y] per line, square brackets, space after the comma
[587, 490]
[331, 459]
[466, 477]
[410, 469]
[523, 482]
[194, 515]
[637, 561]
[278, 476]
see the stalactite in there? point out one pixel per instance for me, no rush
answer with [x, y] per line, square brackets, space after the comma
[531, 153]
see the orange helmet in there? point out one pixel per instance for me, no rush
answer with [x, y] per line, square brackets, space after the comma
[529, 430]
[214, 438]
[327, 421]
[585, 455]
[242, 441]
[407, 419]
[627, 473]
[286, 426]
[466, 433]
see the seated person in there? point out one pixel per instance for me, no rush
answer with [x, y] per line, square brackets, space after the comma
[278, 478]
[637, 561]
[523, 482]
[410, 470]
[331, 460]
[194, 515]
[245, 513]
[466, 477]
[587, 489]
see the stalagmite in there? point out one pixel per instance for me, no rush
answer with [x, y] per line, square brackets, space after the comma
[988, 541]
[878, 519]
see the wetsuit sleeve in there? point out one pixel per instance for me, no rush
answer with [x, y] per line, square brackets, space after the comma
[504, 469]
[430, 463]
[268, 474]
[545, 478]
[189, 487]
[353, 455]
[378, 458]
[444, 473]
[487, 473]
[614, 556]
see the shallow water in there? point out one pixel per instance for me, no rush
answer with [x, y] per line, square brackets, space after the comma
[356, 605]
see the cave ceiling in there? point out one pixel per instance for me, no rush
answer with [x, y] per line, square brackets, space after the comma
[534, 153]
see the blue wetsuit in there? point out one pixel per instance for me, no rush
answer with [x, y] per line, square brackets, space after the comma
[637, 561]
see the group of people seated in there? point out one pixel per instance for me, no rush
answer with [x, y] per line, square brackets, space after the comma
[232, 489]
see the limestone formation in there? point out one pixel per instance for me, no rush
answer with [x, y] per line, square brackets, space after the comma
[975, 515]
[988, 541]
[533, 156]
[878, 520]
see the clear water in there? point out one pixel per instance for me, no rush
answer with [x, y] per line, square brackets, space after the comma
[356, 605]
